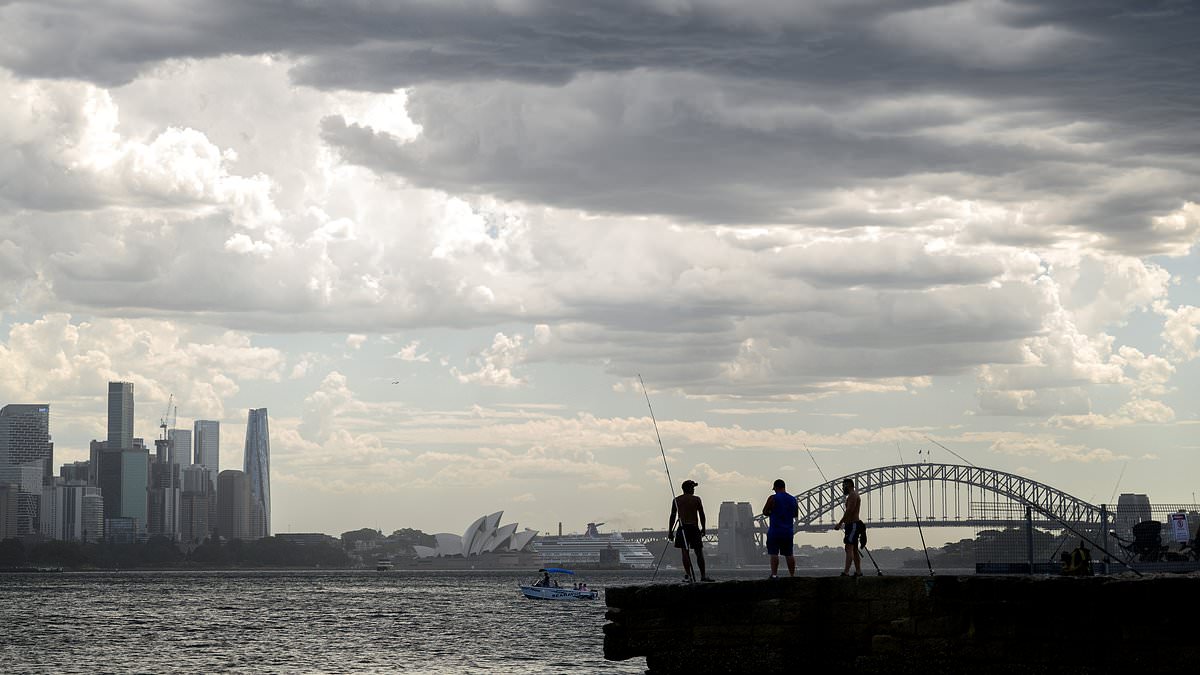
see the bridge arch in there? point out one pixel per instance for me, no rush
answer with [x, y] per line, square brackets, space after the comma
[1043, 499]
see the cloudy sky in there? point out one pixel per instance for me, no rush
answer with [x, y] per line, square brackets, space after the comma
[440, 240]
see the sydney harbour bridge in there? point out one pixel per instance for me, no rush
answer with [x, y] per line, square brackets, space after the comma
[912, 495]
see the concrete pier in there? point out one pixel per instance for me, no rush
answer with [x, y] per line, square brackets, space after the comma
[962, 625]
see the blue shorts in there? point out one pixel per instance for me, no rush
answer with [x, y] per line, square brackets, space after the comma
[779, 544]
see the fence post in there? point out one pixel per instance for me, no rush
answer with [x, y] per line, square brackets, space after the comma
[1104, 533]
[1029, 536]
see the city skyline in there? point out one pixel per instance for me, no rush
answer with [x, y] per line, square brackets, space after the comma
[443, 243]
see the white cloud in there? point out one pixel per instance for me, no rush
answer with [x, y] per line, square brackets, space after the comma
[356, 340]
[409, 353]
[495, 365]
[1181, 331]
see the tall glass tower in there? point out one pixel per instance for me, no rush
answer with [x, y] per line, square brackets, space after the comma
[120, 415]
[257, 466]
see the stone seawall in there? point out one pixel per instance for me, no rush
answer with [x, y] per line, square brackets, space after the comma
[970, 625]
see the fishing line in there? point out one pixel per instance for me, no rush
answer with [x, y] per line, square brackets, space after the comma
[670, 484]
[916, 513]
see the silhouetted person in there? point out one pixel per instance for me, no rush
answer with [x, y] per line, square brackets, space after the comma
[853, 528]
[690, 512]
[781, 508]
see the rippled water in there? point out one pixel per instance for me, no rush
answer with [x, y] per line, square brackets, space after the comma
[420, 622]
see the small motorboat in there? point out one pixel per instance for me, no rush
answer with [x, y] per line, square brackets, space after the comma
[383, 564]
[548, 588]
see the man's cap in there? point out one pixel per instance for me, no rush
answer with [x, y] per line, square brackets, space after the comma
[689, 483]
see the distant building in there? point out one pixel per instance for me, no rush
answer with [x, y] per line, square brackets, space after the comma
[120, 415]
[25, 436]
[93, 515]
[165, 490]
[485, 535]
[124, 478]
[68, 514]
[26, 458]
[26, 481]
[123, 531]
[206, 438]
[179, 446]
[8, 510]
[257, 466]
[309, 539]
[233, 505]
[196, 503]
[77, 472]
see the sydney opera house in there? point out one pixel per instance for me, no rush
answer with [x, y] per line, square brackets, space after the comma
[485, 537]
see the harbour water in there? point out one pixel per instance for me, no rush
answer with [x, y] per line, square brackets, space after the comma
[297, 621]
[304, 621]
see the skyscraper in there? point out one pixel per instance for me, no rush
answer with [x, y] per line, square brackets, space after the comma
[120, 415]
[26, 458]
[25, 436]
[207, 443]
[207, 435]
[233, 505]
[69, 511]
[179, 448]
[257, 466]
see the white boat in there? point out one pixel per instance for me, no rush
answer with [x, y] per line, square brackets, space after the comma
[540, 591]
[383, 564]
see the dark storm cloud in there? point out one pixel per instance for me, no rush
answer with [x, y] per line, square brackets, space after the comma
[763, 112]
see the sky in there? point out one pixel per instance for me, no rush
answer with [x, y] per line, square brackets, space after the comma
[440, 241]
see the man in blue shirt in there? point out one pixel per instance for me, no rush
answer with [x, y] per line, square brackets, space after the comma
[782, 509]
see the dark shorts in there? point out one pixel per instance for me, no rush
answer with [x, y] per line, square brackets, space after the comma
[691, 534]
[853, 532]
[779, 544]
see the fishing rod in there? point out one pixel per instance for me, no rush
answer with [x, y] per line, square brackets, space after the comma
[863, 538]
[670, 484]
[916, 514]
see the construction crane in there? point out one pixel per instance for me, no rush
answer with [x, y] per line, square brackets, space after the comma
[162, 421]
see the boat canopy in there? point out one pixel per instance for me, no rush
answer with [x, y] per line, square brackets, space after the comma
[556, 570]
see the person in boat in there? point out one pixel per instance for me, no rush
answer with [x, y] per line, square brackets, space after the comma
[854, 528]
[781, 508]
[689, 510]
[544, 582]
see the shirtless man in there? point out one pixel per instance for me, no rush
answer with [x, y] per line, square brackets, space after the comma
[853, 528]
[690, 511]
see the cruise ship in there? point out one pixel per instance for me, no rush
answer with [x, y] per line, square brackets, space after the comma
[593, 550]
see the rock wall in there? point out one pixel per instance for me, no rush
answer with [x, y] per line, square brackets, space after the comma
[970, 624]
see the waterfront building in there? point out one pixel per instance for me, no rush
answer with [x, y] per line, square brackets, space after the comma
[233, 505]
[309, 539]
[93, 515]
[123, 531]
[206, 441]
[25, 436]
[179, 446]
[165, 492]
[257, 467]
[26, 481]
[485, 535]
[197, 501]
[8, 510]
[26, 458]
[120, 415]
[67, 514]
[124, 477]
